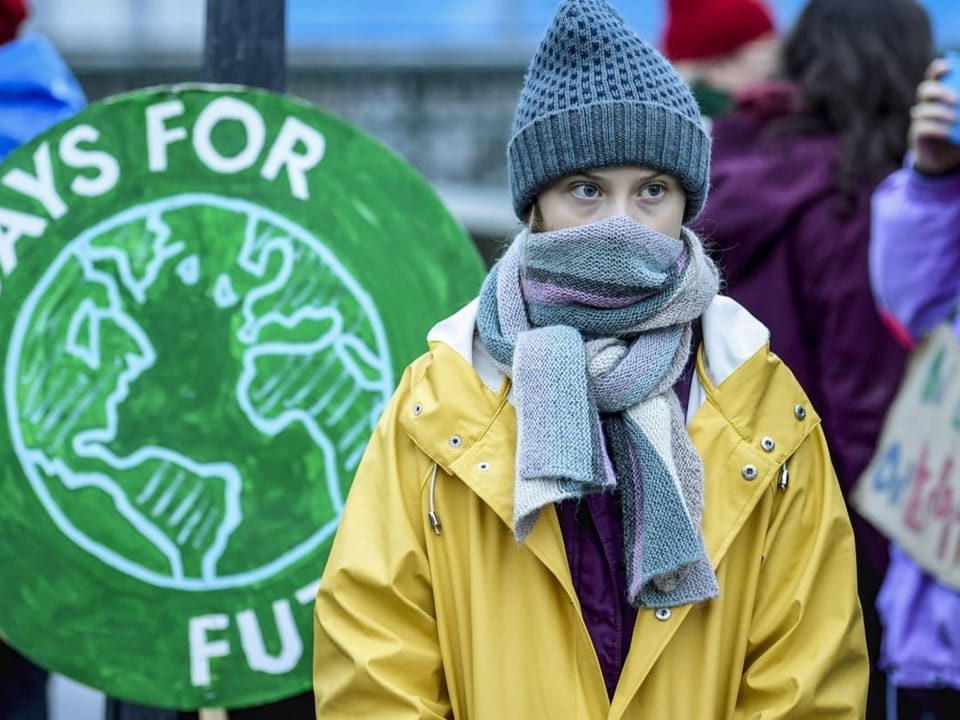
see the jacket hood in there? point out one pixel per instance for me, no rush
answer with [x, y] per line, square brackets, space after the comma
[459, 409]
[731, 336]
[37, 90]
[763, 180]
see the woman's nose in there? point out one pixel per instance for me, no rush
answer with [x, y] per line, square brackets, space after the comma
[623, 206]
[619, 206]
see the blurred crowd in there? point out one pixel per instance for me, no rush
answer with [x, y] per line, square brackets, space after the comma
[833, 215]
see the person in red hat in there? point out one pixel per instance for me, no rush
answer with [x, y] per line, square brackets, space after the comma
[12, 14]
[720, 47]
[37, 88]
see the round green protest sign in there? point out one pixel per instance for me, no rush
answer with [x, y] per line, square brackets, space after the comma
[207, 296]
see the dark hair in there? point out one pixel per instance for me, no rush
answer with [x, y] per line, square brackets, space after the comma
[857, 64]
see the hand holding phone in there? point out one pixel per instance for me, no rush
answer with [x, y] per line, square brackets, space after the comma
[935, 119]
[952, 80]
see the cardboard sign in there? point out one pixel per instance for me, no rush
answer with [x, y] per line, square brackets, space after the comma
[911, 489]
[207, 296]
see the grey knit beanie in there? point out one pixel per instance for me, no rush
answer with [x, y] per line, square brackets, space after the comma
[596, 95]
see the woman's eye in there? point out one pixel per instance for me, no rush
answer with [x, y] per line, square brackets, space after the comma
[654, 191]
[586, 191]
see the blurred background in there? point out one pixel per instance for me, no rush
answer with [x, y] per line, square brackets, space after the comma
[436, 80]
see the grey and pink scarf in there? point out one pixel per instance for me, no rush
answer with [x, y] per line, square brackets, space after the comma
[593, 326]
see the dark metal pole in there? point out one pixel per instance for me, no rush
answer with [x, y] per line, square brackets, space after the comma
[246, 43]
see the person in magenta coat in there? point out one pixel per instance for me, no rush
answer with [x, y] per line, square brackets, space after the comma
[915, 269]
[789, 223]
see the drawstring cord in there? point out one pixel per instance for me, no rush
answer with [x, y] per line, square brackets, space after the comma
[432, 515]
[784, 478]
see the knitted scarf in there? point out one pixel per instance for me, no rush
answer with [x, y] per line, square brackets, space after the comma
[592, 324]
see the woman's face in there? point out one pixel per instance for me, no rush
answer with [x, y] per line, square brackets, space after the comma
[650, 197]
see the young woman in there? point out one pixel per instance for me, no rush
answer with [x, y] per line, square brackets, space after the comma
[565, 512]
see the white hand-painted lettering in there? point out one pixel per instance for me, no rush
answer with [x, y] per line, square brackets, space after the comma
[41, 186]
[108, 170]
[202, 649]
[227, 108]
[159, 136]
[251, 638]
[283, 154]
[13, 226]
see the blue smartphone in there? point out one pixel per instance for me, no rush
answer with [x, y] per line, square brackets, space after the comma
[952, 80]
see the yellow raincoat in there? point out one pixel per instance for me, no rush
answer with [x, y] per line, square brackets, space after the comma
[464, 622]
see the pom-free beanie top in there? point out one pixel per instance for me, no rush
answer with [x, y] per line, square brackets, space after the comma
[597, 95]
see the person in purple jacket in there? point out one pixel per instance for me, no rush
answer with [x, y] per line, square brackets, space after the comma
[788, 218]
[915, 269]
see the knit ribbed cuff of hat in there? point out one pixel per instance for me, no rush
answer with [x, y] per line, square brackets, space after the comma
[605, 135]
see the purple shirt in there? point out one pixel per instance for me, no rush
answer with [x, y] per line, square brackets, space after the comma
[593, 539]
[915, 270]
[915, 249]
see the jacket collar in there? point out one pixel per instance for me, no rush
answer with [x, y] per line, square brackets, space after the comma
[731, 336]
[466, 437]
